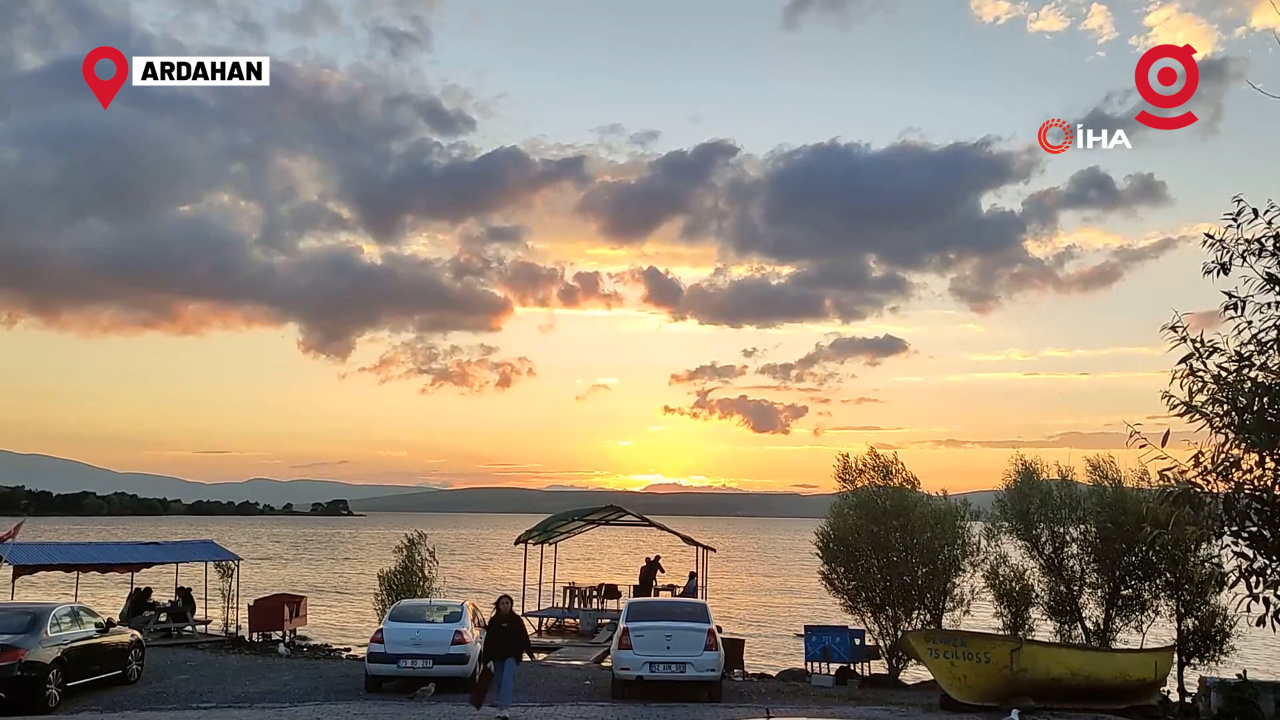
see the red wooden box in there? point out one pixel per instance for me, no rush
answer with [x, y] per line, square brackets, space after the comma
[279, 613]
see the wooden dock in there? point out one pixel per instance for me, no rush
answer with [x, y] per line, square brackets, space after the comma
[578, 655]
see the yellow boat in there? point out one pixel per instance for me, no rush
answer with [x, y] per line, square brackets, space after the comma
[997, 670]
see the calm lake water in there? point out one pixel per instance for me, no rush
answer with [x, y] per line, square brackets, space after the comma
[762, 583]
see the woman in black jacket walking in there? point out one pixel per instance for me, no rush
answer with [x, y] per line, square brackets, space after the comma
[506, 641]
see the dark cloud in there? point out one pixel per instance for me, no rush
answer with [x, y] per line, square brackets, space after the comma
[1094, 189]
[846, 10]
[805, 486]
[753, 353]
[594, 389]
[644, 138]
[862, 400]
[506, 236]
[760, 416]
[1218, 74]
[712, 372]
[322, 463]
[186, 209]
[820, 366]
[857, 226]
[629, 210]
[442, 366]
[1064, 440]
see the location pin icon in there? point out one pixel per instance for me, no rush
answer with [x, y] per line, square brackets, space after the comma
[105, 90]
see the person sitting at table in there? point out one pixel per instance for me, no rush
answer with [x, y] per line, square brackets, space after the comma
[127, 608]
[142, 606]
[691, 587]
[188, 598]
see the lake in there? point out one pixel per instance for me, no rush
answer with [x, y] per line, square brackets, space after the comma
[762, 582]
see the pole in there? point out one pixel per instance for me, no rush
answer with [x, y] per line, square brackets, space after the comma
[524, 578]
[555, 565]
[77, 597]
[206, 591]
[130, 582]
[175, 578]
[237, 598]
[542, 554]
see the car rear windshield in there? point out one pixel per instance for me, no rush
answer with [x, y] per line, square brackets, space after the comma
[15, 622]
[668, 611]
[433, 614]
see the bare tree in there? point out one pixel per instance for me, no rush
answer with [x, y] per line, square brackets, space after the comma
[1275, 35]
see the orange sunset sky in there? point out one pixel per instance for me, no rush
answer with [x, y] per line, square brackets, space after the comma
[454, 246]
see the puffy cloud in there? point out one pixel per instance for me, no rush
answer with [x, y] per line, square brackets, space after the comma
[1100, 22]
[594, 389]
[198, 208]
[473, 369]
[844, 231]
[997, 11]
[820, 366]
[629, 210]
[765, 417]
[1094, 189]
[1049, 19]
[1169, 24]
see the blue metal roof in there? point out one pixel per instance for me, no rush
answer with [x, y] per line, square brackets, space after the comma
[85, 554]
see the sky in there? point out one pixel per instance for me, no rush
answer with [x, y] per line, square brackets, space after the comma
[577, 244]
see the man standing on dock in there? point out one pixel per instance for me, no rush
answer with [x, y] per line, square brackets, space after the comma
[649, 575]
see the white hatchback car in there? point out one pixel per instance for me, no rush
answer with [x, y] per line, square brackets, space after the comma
[665, 640]
[426, 638]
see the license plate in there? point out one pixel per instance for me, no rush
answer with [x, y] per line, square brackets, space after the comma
[414, 664]
[666, 668]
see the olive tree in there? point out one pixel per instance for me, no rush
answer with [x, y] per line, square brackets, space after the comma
[1226, 387]
[1085, 546]
[894, 557]
[413, 573]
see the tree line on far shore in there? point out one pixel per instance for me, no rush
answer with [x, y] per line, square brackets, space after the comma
[1086, 562]
[21, 501]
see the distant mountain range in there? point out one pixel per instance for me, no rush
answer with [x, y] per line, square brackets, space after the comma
[43, 472]
[58, 475]
[689, 503]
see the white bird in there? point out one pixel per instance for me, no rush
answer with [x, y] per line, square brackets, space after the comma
[283, 651]
[1013, 714]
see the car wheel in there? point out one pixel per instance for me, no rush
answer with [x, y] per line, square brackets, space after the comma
[715, 691]
[134, 663]
[372, 684]
[51, 690]
[618, 689]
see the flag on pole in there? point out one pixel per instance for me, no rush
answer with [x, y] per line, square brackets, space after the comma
[12, 533]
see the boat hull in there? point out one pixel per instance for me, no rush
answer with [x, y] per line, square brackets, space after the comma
[994, 670]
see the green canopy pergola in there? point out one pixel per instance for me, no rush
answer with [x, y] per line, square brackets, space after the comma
[562, 526]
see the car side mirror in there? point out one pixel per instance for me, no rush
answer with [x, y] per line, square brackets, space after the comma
[111, 623]
[719, 629]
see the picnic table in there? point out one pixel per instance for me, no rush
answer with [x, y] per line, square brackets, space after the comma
[161, 620]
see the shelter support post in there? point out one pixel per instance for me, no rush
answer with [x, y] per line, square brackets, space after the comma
[13, 587]
[206, 591]
[77, 595]
[131, 583]
[237, 598]
[524, 578]
[555, 565]
[542, 554]
[175, 578]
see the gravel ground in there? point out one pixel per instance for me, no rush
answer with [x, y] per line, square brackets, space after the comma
[185, 679]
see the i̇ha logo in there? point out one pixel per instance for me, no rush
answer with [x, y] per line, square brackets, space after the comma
[169, 71]
[1083, 137]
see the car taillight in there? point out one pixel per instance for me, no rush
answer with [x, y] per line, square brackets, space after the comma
[460, 638]
[377, 637]
[713, 643]
[624, 639]
[12, 655]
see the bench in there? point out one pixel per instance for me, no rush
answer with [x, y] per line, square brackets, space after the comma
[178, 627]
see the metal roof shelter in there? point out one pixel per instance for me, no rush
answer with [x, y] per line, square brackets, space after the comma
[29, 558]
[562, 526]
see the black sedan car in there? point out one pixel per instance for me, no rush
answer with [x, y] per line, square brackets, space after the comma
[46, 648]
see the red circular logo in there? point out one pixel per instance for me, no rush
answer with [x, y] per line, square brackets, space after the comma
[1068, 136]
